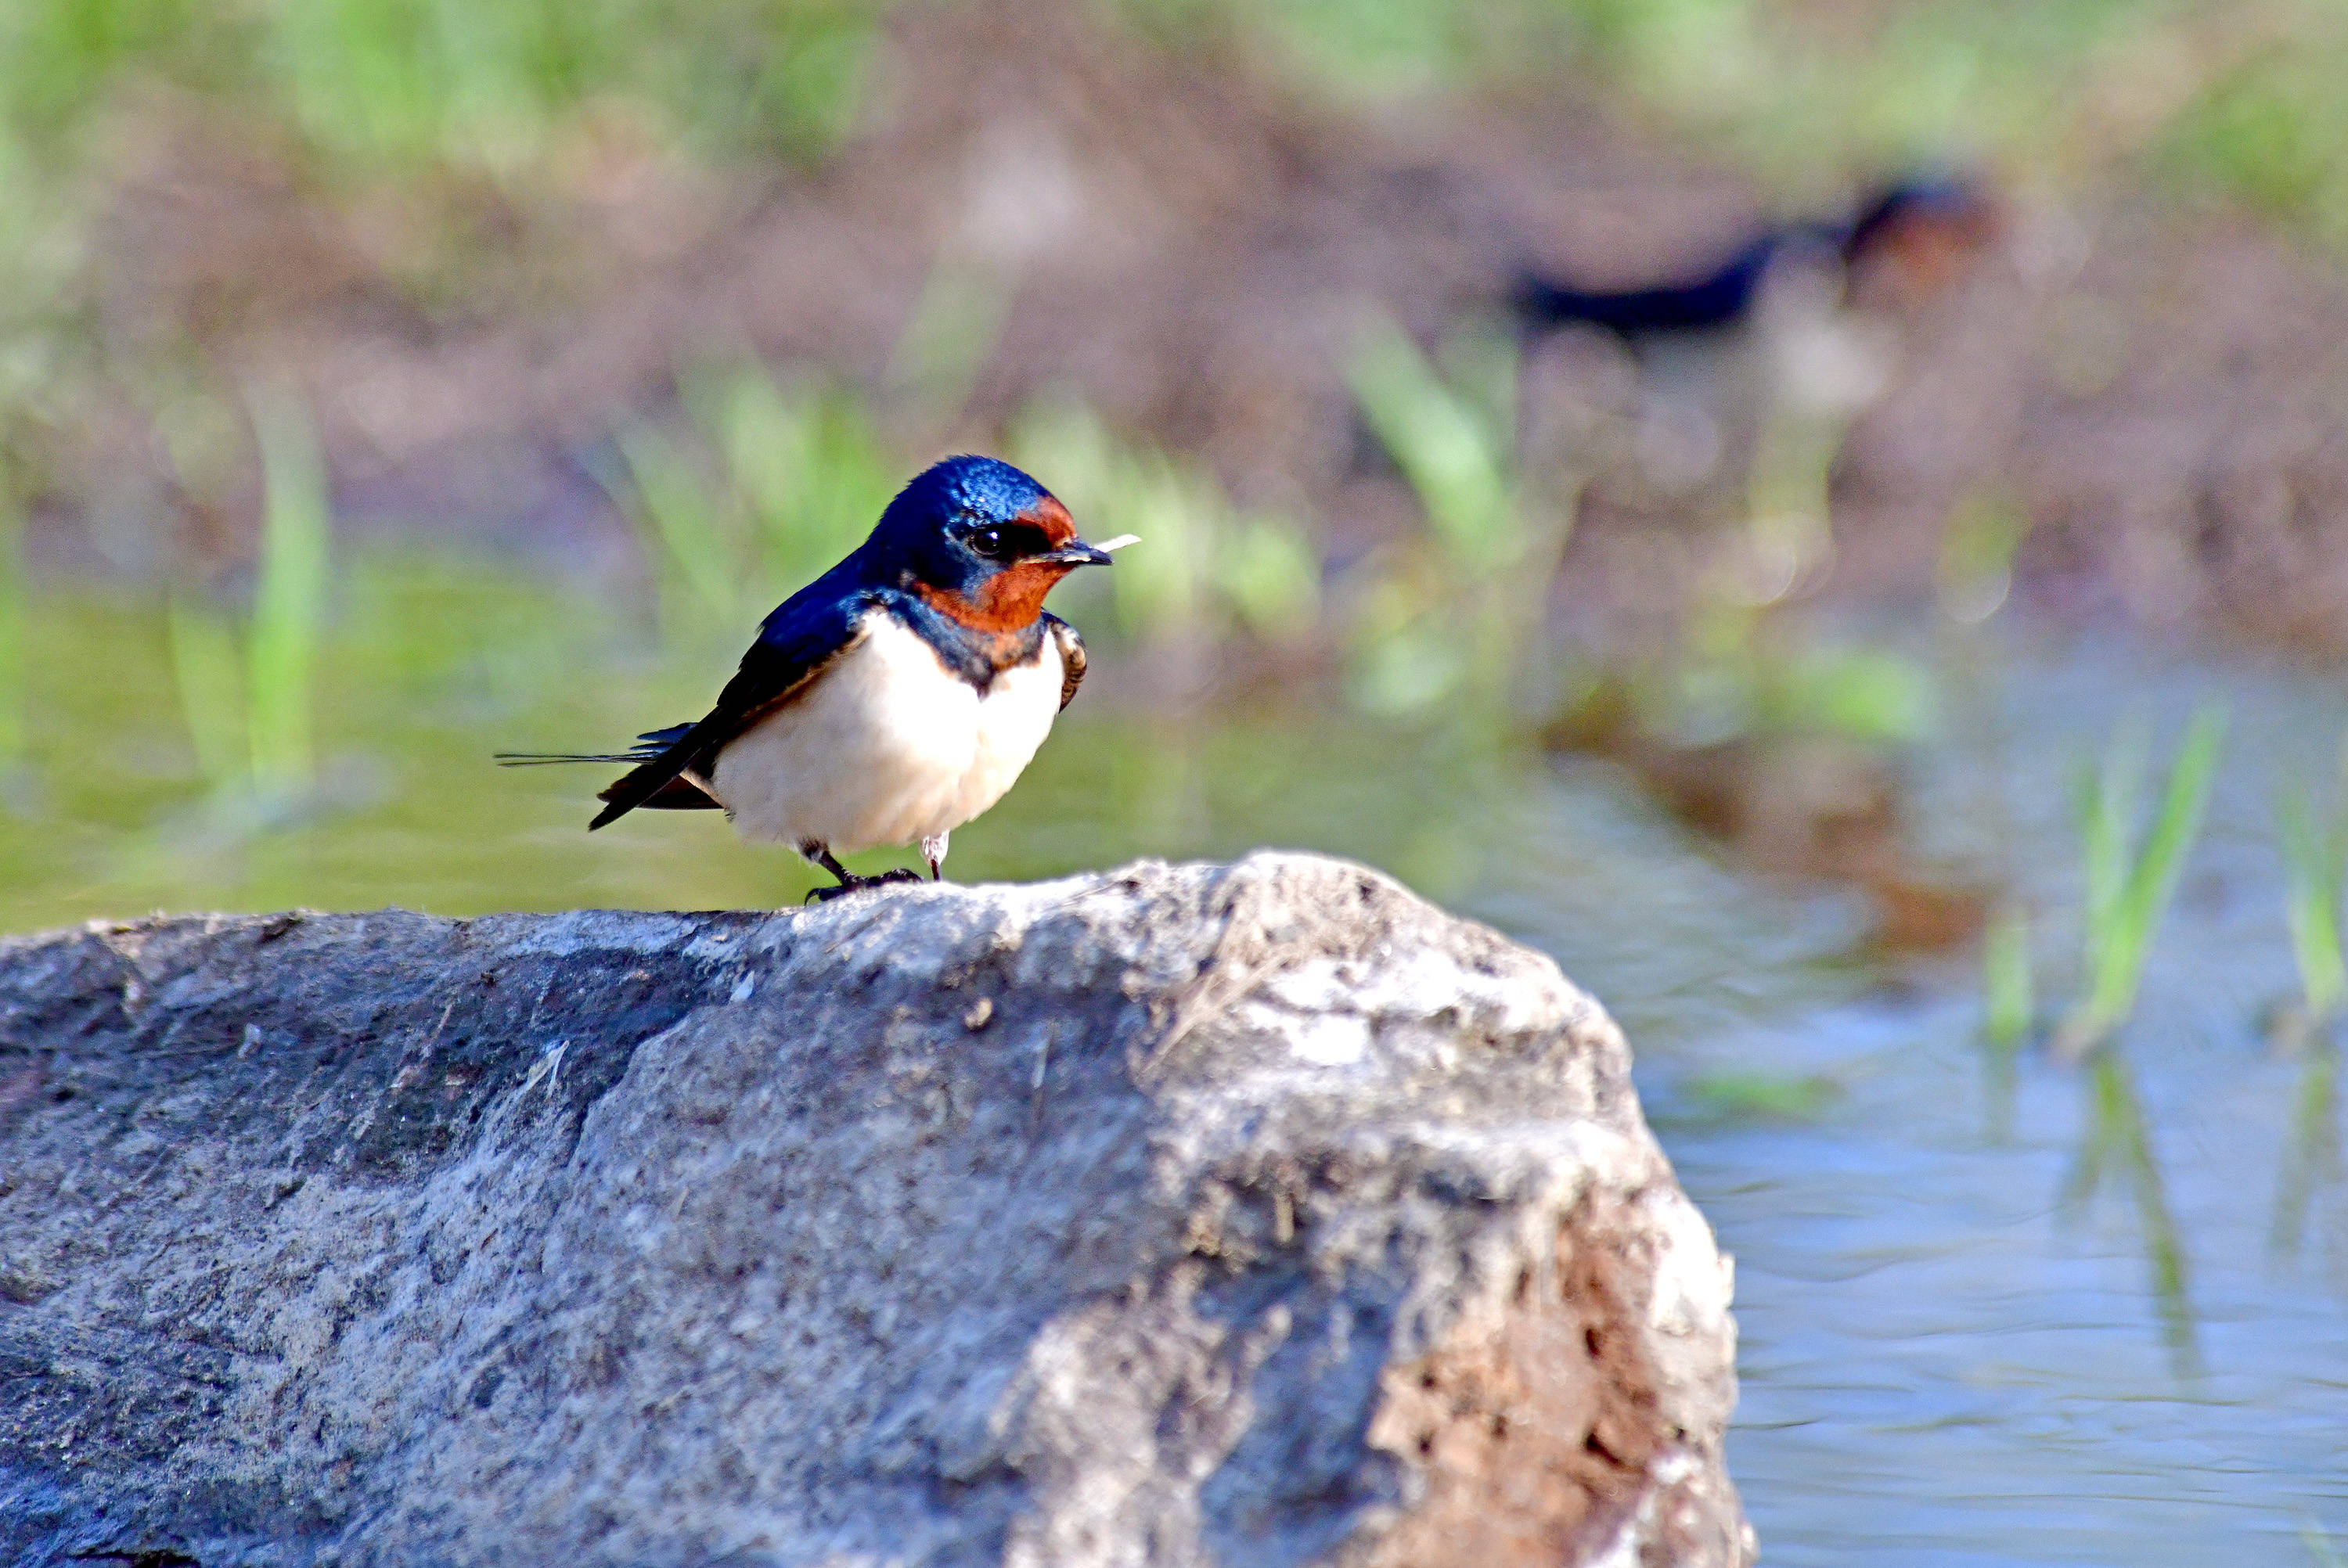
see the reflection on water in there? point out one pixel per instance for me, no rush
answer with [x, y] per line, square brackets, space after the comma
[1994, 1310]
[2311, 1149]
[2115, 1145]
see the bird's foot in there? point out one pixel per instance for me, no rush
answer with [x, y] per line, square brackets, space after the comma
[854, 884]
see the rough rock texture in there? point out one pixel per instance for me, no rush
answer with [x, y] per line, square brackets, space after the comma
[1248, 1215]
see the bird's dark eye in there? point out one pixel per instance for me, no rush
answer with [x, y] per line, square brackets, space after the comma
[989, 543]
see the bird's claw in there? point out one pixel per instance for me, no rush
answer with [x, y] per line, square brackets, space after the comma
[858, 884]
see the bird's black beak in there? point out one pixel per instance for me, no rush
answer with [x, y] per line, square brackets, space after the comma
[1076, 552]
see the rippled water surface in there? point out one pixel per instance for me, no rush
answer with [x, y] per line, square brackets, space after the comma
[1956, 1349]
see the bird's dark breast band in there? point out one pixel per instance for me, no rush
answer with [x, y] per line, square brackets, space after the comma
[977, 654]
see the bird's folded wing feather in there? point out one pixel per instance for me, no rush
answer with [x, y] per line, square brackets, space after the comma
[807, 632]
[1072, 658]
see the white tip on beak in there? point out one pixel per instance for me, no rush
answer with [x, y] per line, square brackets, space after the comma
[1118, 543]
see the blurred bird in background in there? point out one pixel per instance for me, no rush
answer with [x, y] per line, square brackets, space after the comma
[894, 698]
[1776, 326]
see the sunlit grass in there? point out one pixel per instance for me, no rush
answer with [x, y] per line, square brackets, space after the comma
[807, 462]
[2130, 881]
[1458, 620]
[762, 490]
[393, 83]
[247, 694]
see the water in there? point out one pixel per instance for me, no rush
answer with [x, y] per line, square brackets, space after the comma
[1946, 1360]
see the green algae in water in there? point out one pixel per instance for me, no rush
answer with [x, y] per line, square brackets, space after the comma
[1731, 1097]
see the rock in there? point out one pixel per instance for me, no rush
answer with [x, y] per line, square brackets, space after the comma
[1251, 1214]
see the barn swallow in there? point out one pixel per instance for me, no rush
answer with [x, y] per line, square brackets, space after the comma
[1923, 230]
[897, 695]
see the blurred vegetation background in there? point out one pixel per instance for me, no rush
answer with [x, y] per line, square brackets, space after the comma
[648, 306]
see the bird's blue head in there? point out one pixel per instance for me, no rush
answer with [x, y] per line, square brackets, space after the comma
[980, 541]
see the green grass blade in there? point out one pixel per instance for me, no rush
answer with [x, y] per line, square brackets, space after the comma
[2152, 884]
[14, 705]
[1452, 460]
[807, 464]
[205, 666]
[2005, 974]
[1164, 595]
[289, 604]
[2311, 865]
[2129, 892]
[1271, 575]
[2106, 803]
[673, 504]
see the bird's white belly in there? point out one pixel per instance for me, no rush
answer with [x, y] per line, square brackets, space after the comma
[886, 746]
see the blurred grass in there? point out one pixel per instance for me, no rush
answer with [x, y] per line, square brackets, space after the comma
[1459, 621]
[2130, 881]
[2315, 864]
[2232, 101]
[387, 84]
[2228, 102]
[754, 492]
[13, 650]
[208, 671]
[289, 602]
[2010, 1005]
[2238, 102]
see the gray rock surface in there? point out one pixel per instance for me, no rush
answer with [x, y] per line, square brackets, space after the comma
[1249, 1214]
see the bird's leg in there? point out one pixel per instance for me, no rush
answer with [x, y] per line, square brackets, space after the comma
[822, 856]
[933, 849]
[849, 881]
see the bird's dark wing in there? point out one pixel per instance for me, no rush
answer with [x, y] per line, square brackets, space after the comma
[807, 632]
[1072, 657]
[1714, 300]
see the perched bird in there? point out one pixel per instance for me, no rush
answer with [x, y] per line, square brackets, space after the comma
[897, 695]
